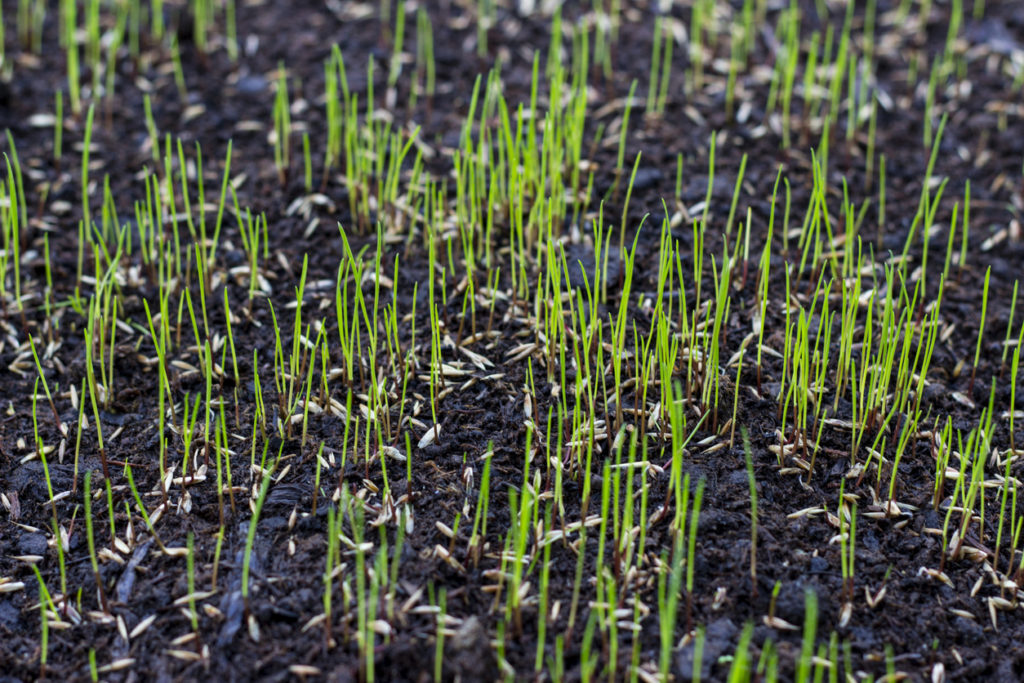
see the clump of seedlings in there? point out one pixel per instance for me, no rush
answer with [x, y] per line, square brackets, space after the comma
[461, 385]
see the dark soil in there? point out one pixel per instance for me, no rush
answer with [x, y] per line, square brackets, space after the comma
[921, 625]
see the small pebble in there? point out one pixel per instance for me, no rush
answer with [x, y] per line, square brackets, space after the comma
[32, 544]
[253, 84]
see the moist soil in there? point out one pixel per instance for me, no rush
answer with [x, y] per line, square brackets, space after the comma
[918, 623]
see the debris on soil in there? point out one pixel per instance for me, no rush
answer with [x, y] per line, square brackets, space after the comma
[511, 340]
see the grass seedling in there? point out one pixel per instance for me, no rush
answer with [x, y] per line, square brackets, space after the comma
[740, 671]
[691, 551]
[479, 531]
[58, 128]
[142, 508]
[92, 545]
[91, 381]
[964, 230]
[753, 512]
[250, 537]
[803, 667]
[621, 158]
[792, 55]
[698, 655]
[179, 72]
[46, 387]
[542, 608]
[329, 573]
[1007, 343]
[154, 134]
[848, 541]
[981, 331]
[70, 43]
[190, 570]
[44, 623]
[668, 600]
[231, 29]
[86, 226]
[307, 163]
[439, 635]
[282, 126]
[661, 66]
[13, 223]
[735, 52]
[395, 64]
[425, 76]
[1015, 365]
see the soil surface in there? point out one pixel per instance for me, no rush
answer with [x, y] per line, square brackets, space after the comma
[914, 608]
